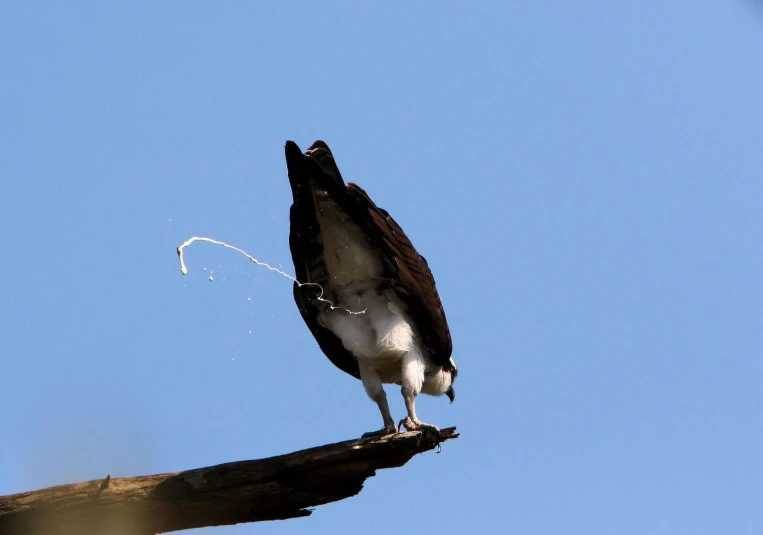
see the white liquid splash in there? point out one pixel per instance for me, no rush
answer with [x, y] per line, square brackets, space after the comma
[184, 269]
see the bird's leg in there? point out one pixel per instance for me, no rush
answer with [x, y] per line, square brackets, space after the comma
[412, 379]
[412, 422]
[375, 390]
[389, 424]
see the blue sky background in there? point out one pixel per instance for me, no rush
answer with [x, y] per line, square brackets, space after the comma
[585, 179]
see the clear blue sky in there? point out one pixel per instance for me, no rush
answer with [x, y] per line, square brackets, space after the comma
[585, 179]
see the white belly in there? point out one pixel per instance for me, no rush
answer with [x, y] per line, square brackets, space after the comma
[380, 337]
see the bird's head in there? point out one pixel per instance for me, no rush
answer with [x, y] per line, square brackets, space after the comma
[440, 381]
[451, 370]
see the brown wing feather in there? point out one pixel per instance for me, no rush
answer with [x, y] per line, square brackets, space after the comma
[415, 282]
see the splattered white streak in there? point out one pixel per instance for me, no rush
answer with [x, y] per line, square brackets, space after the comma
[184, 269]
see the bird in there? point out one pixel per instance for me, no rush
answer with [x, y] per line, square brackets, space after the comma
[367, 296]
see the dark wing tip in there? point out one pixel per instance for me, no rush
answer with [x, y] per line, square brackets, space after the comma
[321, 153]
[292, 150]
[320, 144]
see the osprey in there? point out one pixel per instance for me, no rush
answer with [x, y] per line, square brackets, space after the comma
[366, 295]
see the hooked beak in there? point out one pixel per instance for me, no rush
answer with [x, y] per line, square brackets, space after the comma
[451, 394]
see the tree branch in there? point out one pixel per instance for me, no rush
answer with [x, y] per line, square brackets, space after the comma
[246, 491]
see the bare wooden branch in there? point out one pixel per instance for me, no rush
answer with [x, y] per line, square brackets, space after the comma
[246, 491]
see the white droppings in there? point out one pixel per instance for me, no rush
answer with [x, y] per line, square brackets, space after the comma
[184, 269]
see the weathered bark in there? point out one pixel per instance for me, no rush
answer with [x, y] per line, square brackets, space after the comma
[247, 491]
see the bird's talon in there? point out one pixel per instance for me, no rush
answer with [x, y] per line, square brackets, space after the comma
[400, 426]
[388, 429]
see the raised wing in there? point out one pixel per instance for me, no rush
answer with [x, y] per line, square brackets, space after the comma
[307, 253]
[406, 270]
[414, 282]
